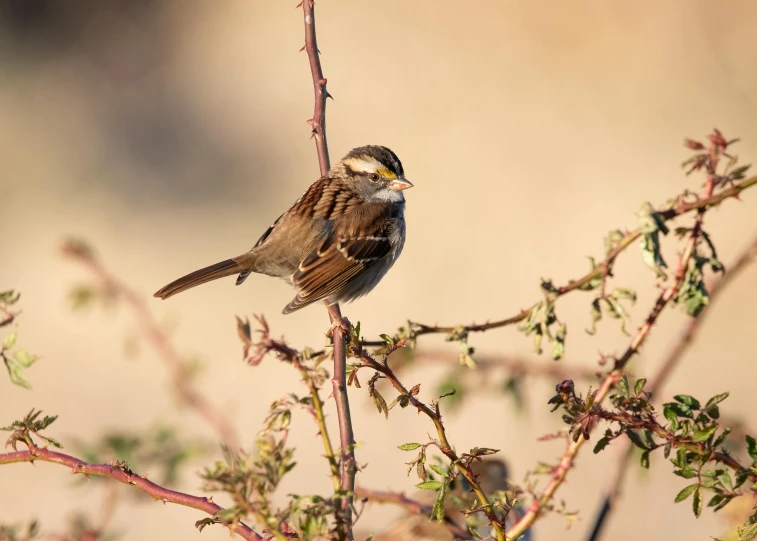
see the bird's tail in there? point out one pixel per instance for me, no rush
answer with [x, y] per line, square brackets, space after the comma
[213, 272]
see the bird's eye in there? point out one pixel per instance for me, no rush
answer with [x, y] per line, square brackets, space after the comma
[375, 177]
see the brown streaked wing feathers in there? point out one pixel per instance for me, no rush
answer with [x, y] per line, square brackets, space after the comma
[328, 268]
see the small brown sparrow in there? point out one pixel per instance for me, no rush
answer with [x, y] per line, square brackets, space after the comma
[336, 242]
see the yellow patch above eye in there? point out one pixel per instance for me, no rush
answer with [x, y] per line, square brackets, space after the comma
[386, 173]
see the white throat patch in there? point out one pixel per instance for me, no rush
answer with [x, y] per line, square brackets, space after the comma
[388, 196]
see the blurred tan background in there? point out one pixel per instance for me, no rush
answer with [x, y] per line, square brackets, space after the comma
[170, 134]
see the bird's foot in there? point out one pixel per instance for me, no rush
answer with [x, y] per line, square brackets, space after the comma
[340, 323]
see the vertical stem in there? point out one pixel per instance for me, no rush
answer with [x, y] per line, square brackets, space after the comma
[321, 418]
[346, 438]
[318, 122]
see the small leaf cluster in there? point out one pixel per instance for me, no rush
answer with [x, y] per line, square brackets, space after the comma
[652, 225]
[251, 479]
[693, 431]
[16, 359]
[693, 295]
[540, 322]
[447, 481]
[31, 424]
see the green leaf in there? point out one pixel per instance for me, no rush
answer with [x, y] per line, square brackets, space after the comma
[596, 315]
[704, 434]
[601, 444]
[713, 412]
[666, 450]
[725, 478]
[751, 446]
[686, 492]
[437, 511]
[671, 416]
[438, 470]
[15, 372]
[717, 399]
[9, 341]
[635, 439]
[721, 438]
[645, 459]
[409, 446]
[24, 358]
[623, 384]
[429, 485]
[697, 503]
[558, 346]
[388, 339]
[687, 400]
[686, 473]
[678, 410]
[716, 499]
[639, 386]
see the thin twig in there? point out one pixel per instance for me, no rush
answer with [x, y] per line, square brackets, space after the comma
[347, 440]
[443, 444]
[566, 461]
[516, 365]
[681, 345]
[667, 214]
[256, 351]
[413, 506]
[126, 476]
[177, 368]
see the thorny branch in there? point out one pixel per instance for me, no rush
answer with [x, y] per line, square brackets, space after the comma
[177, 368]
[120, 472]
[413, 506]
[443, 443]
[676, 353]
[559, 473]
[673, 211]
[339, 381]
[312, 377]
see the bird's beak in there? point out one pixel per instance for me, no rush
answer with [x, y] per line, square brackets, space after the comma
[400, 184]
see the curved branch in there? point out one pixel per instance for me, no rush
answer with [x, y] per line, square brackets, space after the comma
[412, 506]
[566, 461]
[177, 368]
[681, 345]
[124, 475]
[667, 214]
[443, 444]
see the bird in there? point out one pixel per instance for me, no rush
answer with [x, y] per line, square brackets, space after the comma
[336, 242]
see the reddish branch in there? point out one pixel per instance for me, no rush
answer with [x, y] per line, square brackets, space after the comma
[339, 382]
[667, 214]
[122, 474]
[566, 461]
[442, 443]
[177, 368]
[516, 365]
[676, 353]
[413, 506]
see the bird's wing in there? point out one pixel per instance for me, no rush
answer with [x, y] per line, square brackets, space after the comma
[335, 262]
